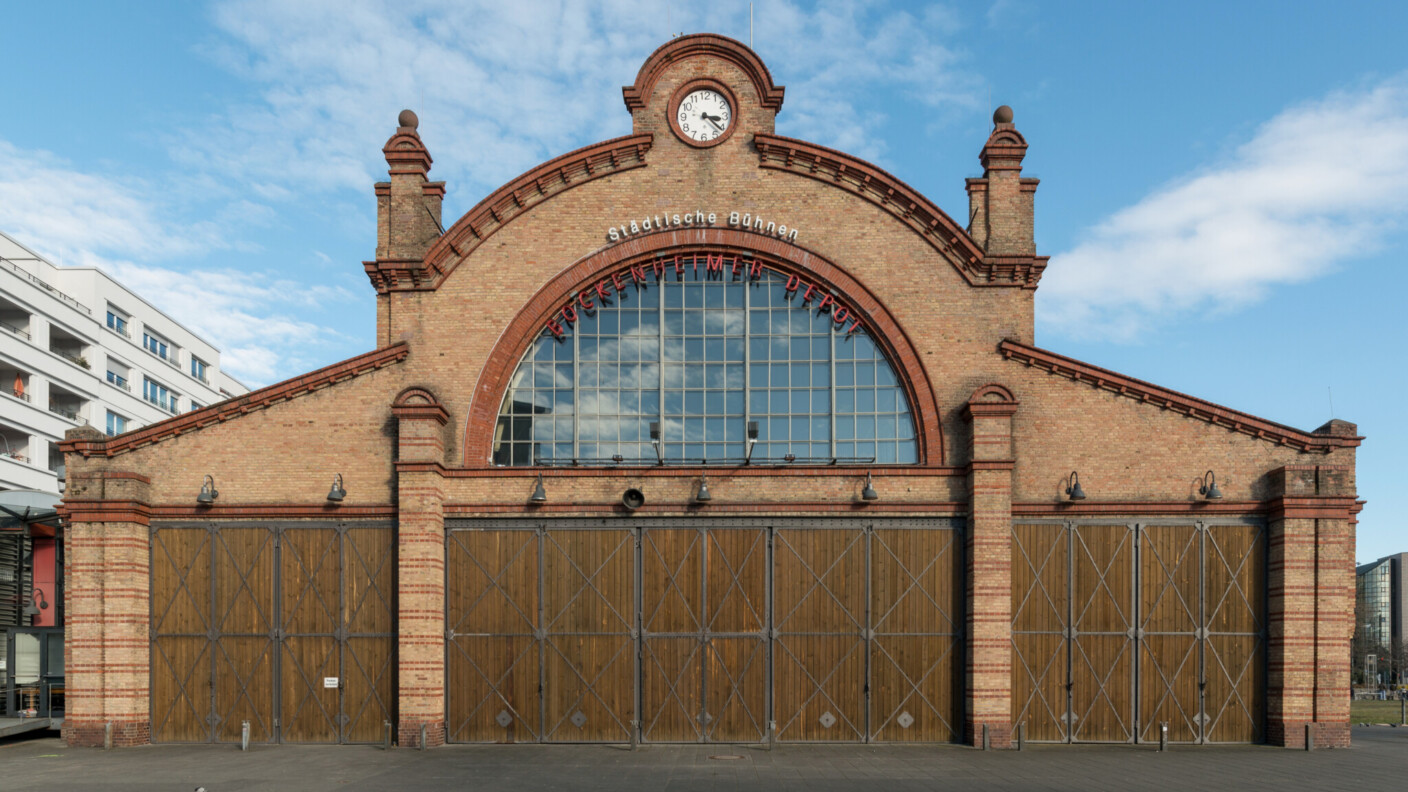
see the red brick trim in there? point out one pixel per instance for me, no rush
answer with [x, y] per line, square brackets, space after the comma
[105, 511]
[525, 328]
[236, 407]
[419, 403]
[513, 200]
[174, 511]
[991, 401]
[653, 471]
[110, 475]
[775, 509]
[1137, 508]
[904, 202]
[1173, 400]
[992, 464]
[1322, 508]
[703, 44]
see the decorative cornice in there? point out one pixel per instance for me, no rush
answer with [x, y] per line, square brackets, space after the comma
[1137, 508]
[502, 206]
[234, 408]
[703, 44]
[105, 511]
[1139, 390]
[906, 204]
[1340, 507]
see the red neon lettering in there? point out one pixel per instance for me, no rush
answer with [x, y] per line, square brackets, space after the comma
[825, 301]
[756, 271]
[792, 283]
[555, 328]
[659, 266]
[569, 313]
[806, 298]
[637, 274]
[735, 266]
[714, 264]
[584, 301]
[841, 315]
[853, 327]
[679, 268]
[602, 292]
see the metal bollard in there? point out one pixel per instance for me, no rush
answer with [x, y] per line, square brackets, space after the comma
[422, 736]
[772, 734]
[1021, 735]
[1309, 738]
[386, 735]
[244, 735]
[107, 736]
[986, 744]
[1163, 736]
[635, 734]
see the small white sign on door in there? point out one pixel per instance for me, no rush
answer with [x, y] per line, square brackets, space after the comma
[330, 682]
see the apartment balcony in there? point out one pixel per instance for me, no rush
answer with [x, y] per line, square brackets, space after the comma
[23, 273]
[9, 328]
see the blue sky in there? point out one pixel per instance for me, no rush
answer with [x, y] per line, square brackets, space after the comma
[1224, 185]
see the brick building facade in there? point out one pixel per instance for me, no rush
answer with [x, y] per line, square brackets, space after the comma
[709, 434]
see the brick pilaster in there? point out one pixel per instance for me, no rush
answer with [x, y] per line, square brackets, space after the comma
[420, 570]
[1311, 605]
[107, 651]
[988, 673]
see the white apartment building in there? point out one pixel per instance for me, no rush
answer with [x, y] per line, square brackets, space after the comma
[78, 347]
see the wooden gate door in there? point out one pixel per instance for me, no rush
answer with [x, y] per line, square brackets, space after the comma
[494, 651]
[914, 625]
[1041, 570]
[589, 634]
[820, 631]
[1170, 621]
[1234, 654]
[1102, 629]
[704, 617]
[288, 627]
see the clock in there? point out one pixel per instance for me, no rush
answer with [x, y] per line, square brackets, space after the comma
[701, 113]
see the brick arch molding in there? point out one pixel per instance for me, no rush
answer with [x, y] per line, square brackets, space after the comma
[528, 325]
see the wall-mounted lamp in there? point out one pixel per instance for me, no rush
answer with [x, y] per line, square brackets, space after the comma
[655, 441]
[1207, 486]
[540, 495]
[337, 492]
[208, 493]
[36, 603]
[1073, 490]
[703, 494]
[752, 440]
[869, 493]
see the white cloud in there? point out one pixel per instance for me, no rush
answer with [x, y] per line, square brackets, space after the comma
[508, 85]
[83, 219]
[1315, 186]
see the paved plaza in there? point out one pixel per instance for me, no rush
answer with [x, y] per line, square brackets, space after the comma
[1376, 761]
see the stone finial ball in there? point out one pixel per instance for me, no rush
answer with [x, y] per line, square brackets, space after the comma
[1002, 115]
[408, 119]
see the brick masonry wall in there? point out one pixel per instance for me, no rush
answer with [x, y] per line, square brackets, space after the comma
[1132, 456]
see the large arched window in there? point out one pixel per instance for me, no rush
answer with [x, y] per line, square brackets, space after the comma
[698, 359]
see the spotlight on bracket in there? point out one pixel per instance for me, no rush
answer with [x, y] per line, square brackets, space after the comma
[1208, 486]
[208, 493]
[540, 495]
[869, 492]
[752, 441]
[337, 493]
[1073, 489]
[633, 499]
[703, 494]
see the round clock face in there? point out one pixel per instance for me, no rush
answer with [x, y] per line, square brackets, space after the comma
[703, 115]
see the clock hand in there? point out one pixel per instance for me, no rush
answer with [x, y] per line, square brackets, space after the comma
[712, 119]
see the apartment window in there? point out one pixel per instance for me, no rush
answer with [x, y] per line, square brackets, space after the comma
[198, 369]
[195, 405]
[156, 346]
[158, 394]
[117, 322]
[117, 379]
[116, 424]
